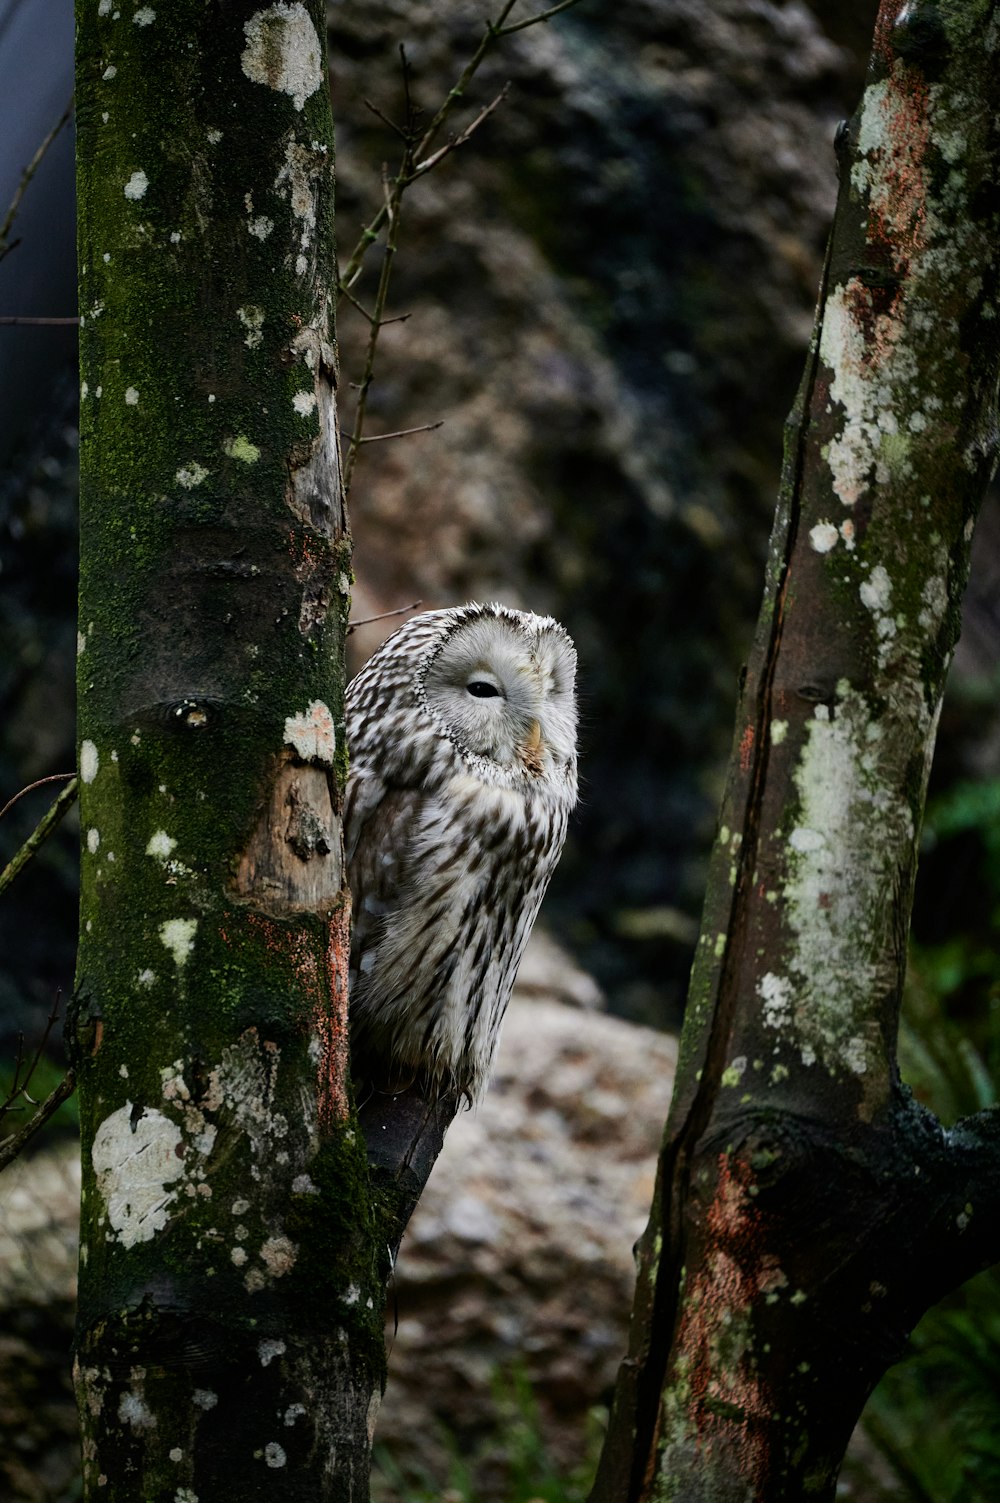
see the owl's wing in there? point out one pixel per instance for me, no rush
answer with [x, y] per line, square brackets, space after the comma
[379, 822]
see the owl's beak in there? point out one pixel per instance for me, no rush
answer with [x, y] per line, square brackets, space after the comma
[533, 748]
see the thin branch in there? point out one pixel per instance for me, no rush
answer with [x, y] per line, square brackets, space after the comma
[16, 318]
[393, 195]
[385, 119]
[382, 616]
[545, 15]
[377, 438]
[26, 177]
[55, 777]
[41, 831]
[397, 318]
[12, 1146]
[495, 30]
[443, 151]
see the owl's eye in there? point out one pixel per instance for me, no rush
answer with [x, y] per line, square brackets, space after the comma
[482, 689]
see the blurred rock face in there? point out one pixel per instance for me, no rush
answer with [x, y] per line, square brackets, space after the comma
[518, 1261]
[610, 288]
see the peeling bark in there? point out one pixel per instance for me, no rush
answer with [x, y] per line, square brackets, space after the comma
[776, 1278]
[229, 1341]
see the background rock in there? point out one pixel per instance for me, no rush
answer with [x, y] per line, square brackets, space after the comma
[518, 1261]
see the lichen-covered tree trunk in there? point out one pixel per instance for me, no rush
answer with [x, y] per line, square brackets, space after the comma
[229, 1339]
[807, 1211]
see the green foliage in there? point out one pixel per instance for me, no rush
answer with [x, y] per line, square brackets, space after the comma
[517, 1449]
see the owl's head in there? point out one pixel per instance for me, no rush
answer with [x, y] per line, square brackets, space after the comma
[501, 683]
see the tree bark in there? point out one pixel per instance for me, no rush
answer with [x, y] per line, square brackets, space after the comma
[798, 1179]
[229, 1343]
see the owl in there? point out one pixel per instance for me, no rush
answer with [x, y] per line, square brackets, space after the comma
[462, 735]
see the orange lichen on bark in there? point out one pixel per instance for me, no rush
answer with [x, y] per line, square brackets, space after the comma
[729, 1404]
[899, 203]
[330, 1022]
[320, 966]
[746, 748]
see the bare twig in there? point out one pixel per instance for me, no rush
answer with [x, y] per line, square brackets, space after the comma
[418, 159]
[382, 616]
[385, 118]
[392, 195]
[42, 830]
[456, 141]
[545, 15]
[422, 163]
[16, 318]
[397, 318]
[12, 1146]
[26, 177]
[55, 777]
[377, 438]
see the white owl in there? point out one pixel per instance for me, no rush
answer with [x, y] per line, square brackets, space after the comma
[462, 735]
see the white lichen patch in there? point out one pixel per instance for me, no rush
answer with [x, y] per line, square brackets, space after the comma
[136, 1156]
[853, 839]
[876, 595]
[146, 977]
[312, 735]
[252, 320]
[298, 180]
[855, 1056]
[274, 1455]
[269, 1348]
[294, 1412]
[144, 16]
[185, 1495]
[240, 447]
[178, 937]
[160, 844]
[776, 993]
[131, 397]
[823, 537]
[934, 599]
[304, 402]
[133, 1410]
[283, 51]
[109, 73]
[190, 475]
[238, 1256]
[89, 761]
[204, 1398]
[136, 186]
[244, 1084]
[93, 840]
[260, 226]
[876, 591]
[278, 1254]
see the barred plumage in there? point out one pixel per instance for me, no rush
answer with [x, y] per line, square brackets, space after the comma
[462, 734]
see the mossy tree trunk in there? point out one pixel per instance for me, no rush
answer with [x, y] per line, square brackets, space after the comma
[229, 1339]
[807, 1210]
